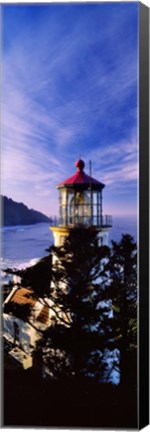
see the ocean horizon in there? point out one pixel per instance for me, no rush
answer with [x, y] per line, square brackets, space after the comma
[23, 245]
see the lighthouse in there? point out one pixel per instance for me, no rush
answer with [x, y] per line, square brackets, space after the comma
[81, 205]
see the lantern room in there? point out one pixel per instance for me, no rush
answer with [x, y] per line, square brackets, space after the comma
[80, 201]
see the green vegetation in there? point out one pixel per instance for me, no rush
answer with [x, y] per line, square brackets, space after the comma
[93, 292]
[122, 272]
[78, 332]
[36, 277]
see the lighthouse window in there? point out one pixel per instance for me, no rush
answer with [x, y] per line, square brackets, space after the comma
[63, 197]
[79, 209]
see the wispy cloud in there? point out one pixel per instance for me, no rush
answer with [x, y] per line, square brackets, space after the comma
[69, 90]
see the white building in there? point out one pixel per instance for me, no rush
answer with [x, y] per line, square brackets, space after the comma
[24, 333]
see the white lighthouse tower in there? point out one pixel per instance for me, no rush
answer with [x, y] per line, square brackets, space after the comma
[81, 205]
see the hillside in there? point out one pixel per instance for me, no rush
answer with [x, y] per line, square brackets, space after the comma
[14, 213]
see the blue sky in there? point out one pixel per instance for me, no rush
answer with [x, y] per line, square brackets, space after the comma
[70, 91]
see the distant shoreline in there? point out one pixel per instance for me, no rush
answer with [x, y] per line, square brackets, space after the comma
[14, 213]
[24, 224]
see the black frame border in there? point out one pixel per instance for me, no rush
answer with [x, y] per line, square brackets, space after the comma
[143, 409]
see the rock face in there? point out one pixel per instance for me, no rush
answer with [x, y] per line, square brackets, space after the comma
[14, 213]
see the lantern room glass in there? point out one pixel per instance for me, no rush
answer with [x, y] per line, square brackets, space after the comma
[80, 207]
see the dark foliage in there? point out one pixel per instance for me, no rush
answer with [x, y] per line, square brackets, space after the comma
[18, 310]
[93, 307]
[122, 290]
[36, 277]
[79, 319]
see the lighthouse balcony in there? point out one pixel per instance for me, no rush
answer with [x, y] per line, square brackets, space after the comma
[102, 222]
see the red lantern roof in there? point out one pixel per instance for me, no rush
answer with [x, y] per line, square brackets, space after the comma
[81, 179]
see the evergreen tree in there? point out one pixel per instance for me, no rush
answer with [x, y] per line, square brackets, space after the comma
[122, 290]
[37, 276]
[75, 343]
[93, 302]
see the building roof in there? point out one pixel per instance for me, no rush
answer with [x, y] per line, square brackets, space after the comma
[81, 178]
[43, 316]
[24, 296]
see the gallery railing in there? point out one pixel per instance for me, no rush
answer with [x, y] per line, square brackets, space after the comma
[83, 220]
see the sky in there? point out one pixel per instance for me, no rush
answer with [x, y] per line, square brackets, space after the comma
[69, 91]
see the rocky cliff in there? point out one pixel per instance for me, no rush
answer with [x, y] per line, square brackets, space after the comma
[14, 213]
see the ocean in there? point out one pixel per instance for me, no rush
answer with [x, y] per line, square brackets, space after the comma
[22, 246]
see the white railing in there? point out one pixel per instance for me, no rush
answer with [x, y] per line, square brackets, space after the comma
[76, 220]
